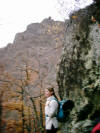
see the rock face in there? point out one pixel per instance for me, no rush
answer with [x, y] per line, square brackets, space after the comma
[40, 46]
[79, 70]
[29, 63]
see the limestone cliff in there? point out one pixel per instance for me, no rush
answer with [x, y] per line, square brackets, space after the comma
[79, 70]
[39, 43]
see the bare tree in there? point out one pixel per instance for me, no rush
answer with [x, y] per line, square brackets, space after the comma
[24, 83]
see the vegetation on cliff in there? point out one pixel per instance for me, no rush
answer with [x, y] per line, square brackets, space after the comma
[79, 69]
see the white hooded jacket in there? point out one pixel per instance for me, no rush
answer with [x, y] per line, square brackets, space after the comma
[51, 109]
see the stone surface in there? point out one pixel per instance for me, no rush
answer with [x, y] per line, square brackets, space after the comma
[79, 70]
[40, 43]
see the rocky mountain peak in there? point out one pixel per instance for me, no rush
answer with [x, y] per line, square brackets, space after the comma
[40, 41]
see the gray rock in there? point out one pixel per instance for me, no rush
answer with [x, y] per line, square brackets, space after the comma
[79, 70]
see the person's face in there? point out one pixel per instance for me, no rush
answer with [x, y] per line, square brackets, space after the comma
[48, 93]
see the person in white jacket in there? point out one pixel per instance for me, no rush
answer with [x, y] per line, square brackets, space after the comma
[51, 108]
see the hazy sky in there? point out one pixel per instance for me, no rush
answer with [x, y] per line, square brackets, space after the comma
[15, 15]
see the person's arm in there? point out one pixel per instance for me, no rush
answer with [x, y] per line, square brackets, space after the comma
[52, 108]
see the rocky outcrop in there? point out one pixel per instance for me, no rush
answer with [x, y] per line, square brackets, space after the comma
[40, 43]
[79, 70]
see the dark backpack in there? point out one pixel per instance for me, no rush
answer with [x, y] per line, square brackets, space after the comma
[63, 110]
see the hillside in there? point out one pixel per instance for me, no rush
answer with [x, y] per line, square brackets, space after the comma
[27, 67]
[39, 43]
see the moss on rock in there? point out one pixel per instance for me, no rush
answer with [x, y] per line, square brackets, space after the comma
[79, 70]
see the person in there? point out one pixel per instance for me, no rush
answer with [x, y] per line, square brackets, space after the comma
[96, 126]
[96, 129]
[51, 108]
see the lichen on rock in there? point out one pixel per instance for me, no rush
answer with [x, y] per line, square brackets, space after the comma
[78, 76]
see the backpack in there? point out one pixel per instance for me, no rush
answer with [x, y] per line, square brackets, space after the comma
[63, 110]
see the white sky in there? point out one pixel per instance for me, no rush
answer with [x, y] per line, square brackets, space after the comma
[15, 15]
